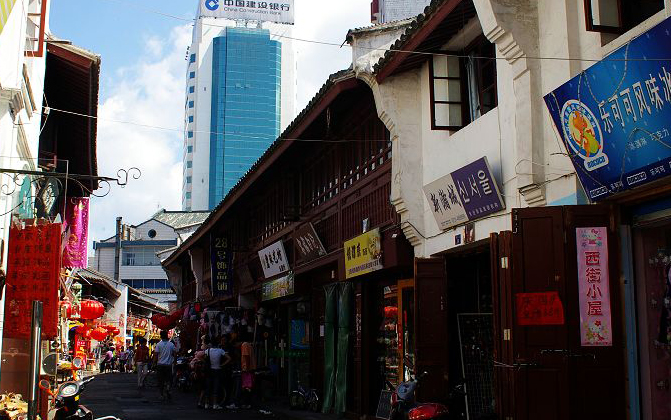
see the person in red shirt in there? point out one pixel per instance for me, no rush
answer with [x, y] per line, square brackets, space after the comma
[142, 362]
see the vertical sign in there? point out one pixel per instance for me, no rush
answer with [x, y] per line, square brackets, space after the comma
[76, 233]
[274, 260]
[32, 274]
[222, 265]
[594, 287]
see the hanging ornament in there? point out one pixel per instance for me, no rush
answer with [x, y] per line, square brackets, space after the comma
[99, 334]
[91, 309]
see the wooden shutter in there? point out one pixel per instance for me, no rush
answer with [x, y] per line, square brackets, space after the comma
[431, 327]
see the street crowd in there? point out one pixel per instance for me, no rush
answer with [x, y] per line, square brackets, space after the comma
[221, 372]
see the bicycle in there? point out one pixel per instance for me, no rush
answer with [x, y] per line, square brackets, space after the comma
[304, 398]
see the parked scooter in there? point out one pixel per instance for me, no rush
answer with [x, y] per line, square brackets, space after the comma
[67, 397]
[183, 373]
[404, 404]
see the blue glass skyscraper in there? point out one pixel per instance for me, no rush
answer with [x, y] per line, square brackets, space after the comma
[246, 96]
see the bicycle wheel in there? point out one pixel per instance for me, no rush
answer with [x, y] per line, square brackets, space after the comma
[296, 400]
[313, 402]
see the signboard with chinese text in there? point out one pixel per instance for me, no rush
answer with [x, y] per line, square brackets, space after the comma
[539, 309]
[76, 225]
[222, 265]
[594, 287]
[274, 260]
[278, 11]
[363, 254]
[466, 194]
[615, 117]
[308, 245]
[33, 268]
[284, 286]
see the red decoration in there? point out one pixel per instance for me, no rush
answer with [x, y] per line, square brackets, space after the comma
[99, 334]
[82, 330]
[68, 307]
[109, 328]
[115, 331]
[197, 307]
[539, 309]
[390, 311]
[91, 309]
[33, 266]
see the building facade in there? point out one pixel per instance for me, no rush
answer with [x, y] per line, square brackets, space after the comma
[240, 92]
[139, 266]
[386, 11]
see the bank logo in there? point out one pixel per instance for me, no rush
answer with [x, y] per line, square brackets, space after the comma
[212, 4]
[583, 134]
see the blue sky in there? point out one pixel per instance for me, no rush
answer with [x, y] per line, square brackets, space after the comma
[143, 78]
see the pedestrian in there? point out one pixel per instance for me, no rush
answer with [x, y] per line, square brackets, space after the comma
[217, 358]
[197, 366]
[123, 358]
[227, 371]
[105, 365]
[164, 358]
[235, 386]
[129, 360]
[142, 362]
[247, 368]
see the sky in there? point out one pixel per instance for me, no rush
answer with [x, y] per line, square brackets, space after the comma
[142, 81]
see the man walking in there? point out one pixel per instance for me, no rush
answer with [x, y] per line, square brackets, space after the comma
[142, 361]
[164, 357]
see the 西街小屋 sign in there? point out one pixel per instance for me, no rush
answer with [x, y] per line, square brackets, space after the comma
[594, 287]
[278, 11]
[466, 194]
[283, 286]
[308, 245]
[615, 117]
[363, 254]
[274, 260]
[33, 267]
[222, 265]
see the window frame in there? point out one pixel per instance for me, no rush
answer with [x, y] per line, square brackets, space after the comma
[589, 20]
[464, 93]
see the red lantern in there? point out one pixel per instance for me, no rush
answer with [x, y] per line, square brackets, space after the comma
[99, 334]
[91, 309]
[82, 330]
[109, 328]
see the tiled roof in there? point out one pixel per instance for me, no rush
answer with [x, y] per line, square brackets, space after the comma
[180, 219]
[379, 28]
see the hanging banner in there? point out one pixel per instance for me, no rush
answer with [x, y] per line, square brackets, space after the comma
[284, 286]
[222, 265]
[615, 117]
[281, 11]
[363, 254]
[33, 268]
[274, 260]
[308, 245]
[466, 194]
[594, 287]
[76, 225]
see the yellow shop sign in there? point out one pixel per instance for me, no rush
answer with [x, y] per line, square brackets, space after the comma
[363, 254]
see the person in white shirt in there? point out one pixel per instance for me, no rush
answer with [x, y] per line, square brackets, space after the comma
[217, 358]
[163, 358]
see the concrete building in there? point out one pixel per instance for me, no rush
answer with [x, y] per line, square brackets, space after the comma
[385, 11]
[240, 92]
[139, 265]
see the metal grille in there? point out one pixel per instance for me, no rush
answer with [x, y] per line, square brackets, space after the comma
[477, 363]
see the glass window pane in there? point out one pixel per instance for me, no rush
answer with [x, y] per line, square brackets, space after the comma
[447, 90]
[440, 66]
[448, 115]
[453, 69]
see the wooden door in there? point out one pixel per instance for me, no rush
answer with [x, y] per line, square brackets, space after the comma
[431, 327]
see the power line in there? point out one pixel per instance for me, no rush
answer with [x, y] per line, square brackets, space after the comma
[340, 45]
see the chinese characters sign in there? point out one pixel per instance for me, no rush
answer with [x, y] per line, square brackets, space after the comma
[76, 233]
[615, 117]
[222, 265]
[466, 194]
[32, 274]
[539, 309]
[274, 260]
[308, 244]
[278, 11]
[363, 254]
[284, 286]
[593, 287]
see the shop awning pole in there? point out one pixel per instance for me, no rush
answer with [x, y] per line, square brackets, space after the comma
[35, 338]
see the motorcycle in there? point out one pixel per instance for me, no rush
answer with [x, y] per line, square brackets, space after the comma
[404, 404]
[183, 373]
[67, 397]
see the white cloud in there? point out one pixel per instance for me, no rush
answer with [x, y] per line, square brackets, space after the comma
[151, 92]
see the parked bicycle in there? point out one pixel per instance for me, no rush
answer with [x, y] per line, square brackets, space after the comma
[304, 399]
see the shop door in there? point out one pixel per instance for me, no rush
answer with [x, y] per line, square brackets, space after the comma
[431, 327]
[406, 329]
[546, 371]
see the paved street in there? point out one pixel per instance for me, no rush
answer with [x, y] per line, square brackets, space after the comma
[115, 394]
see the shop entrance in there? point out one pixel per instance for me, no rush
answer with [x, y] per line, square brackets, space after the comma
[470, 335]
[652, 288]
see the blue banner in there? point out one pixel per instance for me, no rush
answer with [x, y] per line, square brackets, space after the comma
[615, 117]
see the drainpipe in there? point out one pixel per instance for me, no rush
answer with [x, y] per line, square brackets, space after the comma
[117, 250]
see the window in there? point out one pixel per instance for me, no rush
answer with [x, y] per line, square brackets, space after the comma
[188, 179]
[190, 134]
[141, 255]
[151, 233]
[190, 118]
[191, 104]
[189, 149]
[619, 16]
[147, 283]
[192, 75]
[463, 88]
[192, 59]
[189, 164]
[188, 196]
[192, 89]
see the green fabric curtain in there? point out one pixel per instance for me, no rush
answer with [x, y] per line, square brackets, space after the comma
[344, 332]
[331, 292]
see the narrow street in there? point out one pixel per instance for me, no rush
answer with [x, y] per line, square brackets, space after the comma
[116, 394]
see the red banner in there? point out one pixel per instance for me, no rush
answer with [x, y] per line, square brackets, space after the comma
[33, 267]
[539, 309]
[76, 229]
